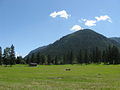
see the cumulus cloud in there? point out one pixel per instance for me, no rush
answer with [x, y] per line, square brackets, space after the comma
[93, 22]
[90, 23]
[103, 18]
[76, 28]
[62, 14]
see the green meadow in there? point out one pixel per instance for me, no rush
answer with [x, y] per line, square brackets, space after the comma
[55, 77]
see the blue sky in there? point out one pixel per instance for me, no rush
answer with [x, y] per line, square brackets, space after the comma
[29, 24]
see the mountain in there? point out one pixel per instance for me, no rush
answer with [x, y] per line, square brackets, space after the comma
[117, 39]
[81, 40]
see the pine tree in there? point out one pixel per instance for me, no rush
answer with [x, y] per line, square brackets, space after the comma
[49, 59]
[71, 57]
[56, 60]
[86, 57]
[80, 57]
[0, 56]
[104, 57]
[32, 59]
[6, 56]
[12, 55]
[44, 59]
[65, 61]
[115, 55]
[28, 61]
[38, 57]
[97, 55]
[19, 60]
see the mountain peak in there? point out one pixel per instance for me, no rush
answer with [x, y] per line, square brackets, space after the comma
[85, 39]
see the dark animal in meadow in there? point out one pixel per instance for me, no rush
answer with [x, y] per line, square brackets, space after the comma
[67, 69]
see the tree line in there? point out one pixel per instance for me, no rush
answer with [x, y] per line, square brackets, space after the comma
[8, 57]
[110, 55]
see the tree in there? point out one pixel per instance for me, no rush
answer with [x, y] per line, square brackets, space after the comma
[32, 59]
[44, 59]
[104, 57]
[86, 57]
[71, 57]
[115, 55]
[80, 57]
[65, 61]
[0, 56]
[28, 60]
[38, 58]
[97, 55]
[56, 60]
[49, 59]
[12, 55]
[19, 60]
[6, 56]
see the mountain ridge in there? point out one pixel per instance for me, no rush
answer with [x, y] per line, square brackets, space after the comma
[82, 39]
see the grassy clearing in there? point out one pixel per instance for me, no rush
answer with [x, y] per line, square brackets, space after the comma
[54, 77]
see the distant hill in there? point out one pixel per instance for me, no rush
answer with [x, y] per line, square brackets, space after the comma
[81, 40]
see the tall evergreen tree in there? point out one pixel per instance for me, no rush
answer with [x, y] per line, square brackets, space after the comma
[12, 55]
[32, 59]
[28, 60]
[6, 56]
[115, 55]
[38, 58]
[80, 57]
[49, 59]
[19, 60]
[104, 57]
[71, 57]
[97, 55]
[44, 59]
[56, 60]
[0, 56]
[86, 57]
[65, 61]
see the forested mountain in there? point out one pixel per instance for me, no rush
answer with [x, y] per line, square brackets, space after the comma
[81, 40]
[117, 39]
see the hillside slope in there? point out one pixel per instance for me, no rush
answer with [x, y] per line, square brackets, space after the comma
[80, 40]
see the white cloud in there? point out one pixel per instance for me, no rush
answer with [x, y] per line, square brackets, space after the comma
[103, 18]
[76, 28]
[90, 23]
[62, 14]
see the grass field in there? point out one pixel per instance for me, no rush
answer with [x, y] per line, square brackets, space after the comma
[54, 77]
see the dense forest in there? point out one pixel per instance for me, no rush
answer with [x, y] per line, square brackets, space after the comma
[110, 55]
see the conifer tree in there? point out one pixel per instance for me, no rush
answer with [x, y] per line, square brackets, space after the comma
[80, 57]
[0, 56]
[49, 59]
[71, 57]
[32, 59]
[19, 60]
[115, 58]
[12, 55]
[44, 60]
[86, 57]
[38, 57]
[65, 61]
[56, 60]
[6, 56]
